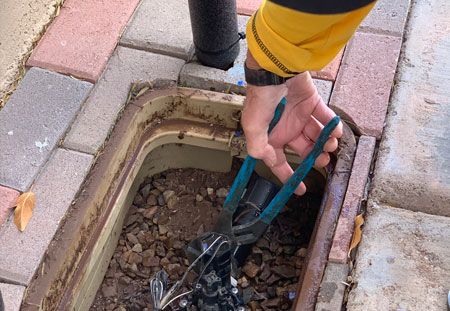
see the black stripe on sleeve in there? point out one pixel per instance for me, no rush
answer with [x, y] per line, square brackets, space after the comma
[323, 6]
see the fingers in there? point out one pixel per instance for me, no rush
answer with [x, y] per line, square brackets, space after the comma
[259, 108]
[303, 92]
[324, 114]
[303, 146]
[331, 145]
[312, 131]
[283, 171]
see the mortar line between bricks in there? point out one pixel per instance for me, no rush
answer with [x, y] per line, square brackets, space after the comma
[11, 282]
[75, 151]
[10, 187]
[380, 32]
[155, 51]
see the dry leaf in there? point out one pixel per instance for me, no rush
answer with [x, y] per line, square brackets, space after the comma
[359, 221]
[24, 209]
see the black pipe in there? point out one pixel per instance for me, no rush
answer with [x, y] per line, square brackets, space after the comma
[215, 32]
[2, 306]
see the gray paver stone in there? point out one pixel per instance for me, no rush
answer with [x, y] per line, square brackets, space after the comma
[33, 121]
[387, 17]
[402, 262]
[161, 26]
[12, 296]
[332, 289]
[55, 188]
[111, 91]
[413, 166]
[324, 89]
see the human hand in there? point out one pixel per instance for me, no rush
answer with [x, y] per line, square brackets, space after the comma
[302, 121]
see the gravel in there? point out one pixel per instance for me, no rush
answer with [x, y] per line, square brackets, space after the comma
[172, 208]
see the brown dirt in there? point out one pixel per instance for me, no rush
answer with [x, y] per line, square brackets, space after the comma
[157, 230]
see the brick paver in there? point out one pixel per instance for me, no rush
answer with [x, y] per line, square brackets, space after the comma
[82, 38]
[161, 26]
[55, 188]
[247, 7]
[387, 17]
[8, 197]
[12, 296]
[362, 89]
[33, 121]
[355, 192]
[331, 70]
[110, 94]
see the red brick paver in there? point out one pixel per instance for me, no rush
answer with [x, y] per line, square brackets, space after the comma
[353, 196]
[8, 197]
[362, 89]
[247, 7]
[331, 70]
[82, 38]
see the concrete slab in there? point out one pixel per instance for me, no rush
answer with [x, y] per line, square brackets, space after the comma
[82, 49]
[161, 26]
[402, 262]
[8, 198]
[12, 296]
[353, 196]
[33, 122]
[331, 293]
[110, 93]
[363, 86]
[387, 17]
[55, 189]
[21, 22]
[413, 169]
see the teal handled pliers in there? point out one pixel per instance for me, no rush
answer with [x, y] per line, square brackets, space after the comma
[251, 232]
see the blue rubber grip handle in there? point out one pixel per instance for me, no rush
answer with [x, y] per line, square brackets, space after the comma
[244, 174]
[300, 173]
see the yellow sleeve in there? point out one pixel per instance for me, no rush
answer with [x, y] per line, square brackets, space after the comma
[285, 41]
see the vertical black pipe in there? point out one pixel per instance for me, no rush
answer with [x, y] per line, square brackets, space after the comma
[215, 31]
[2, 306]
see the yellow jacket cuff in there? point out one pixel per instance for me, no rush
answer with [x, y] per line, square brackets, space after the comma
[287, 41]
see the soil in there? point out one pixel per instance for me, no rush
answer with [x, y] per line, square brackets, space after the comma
[171, 209]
